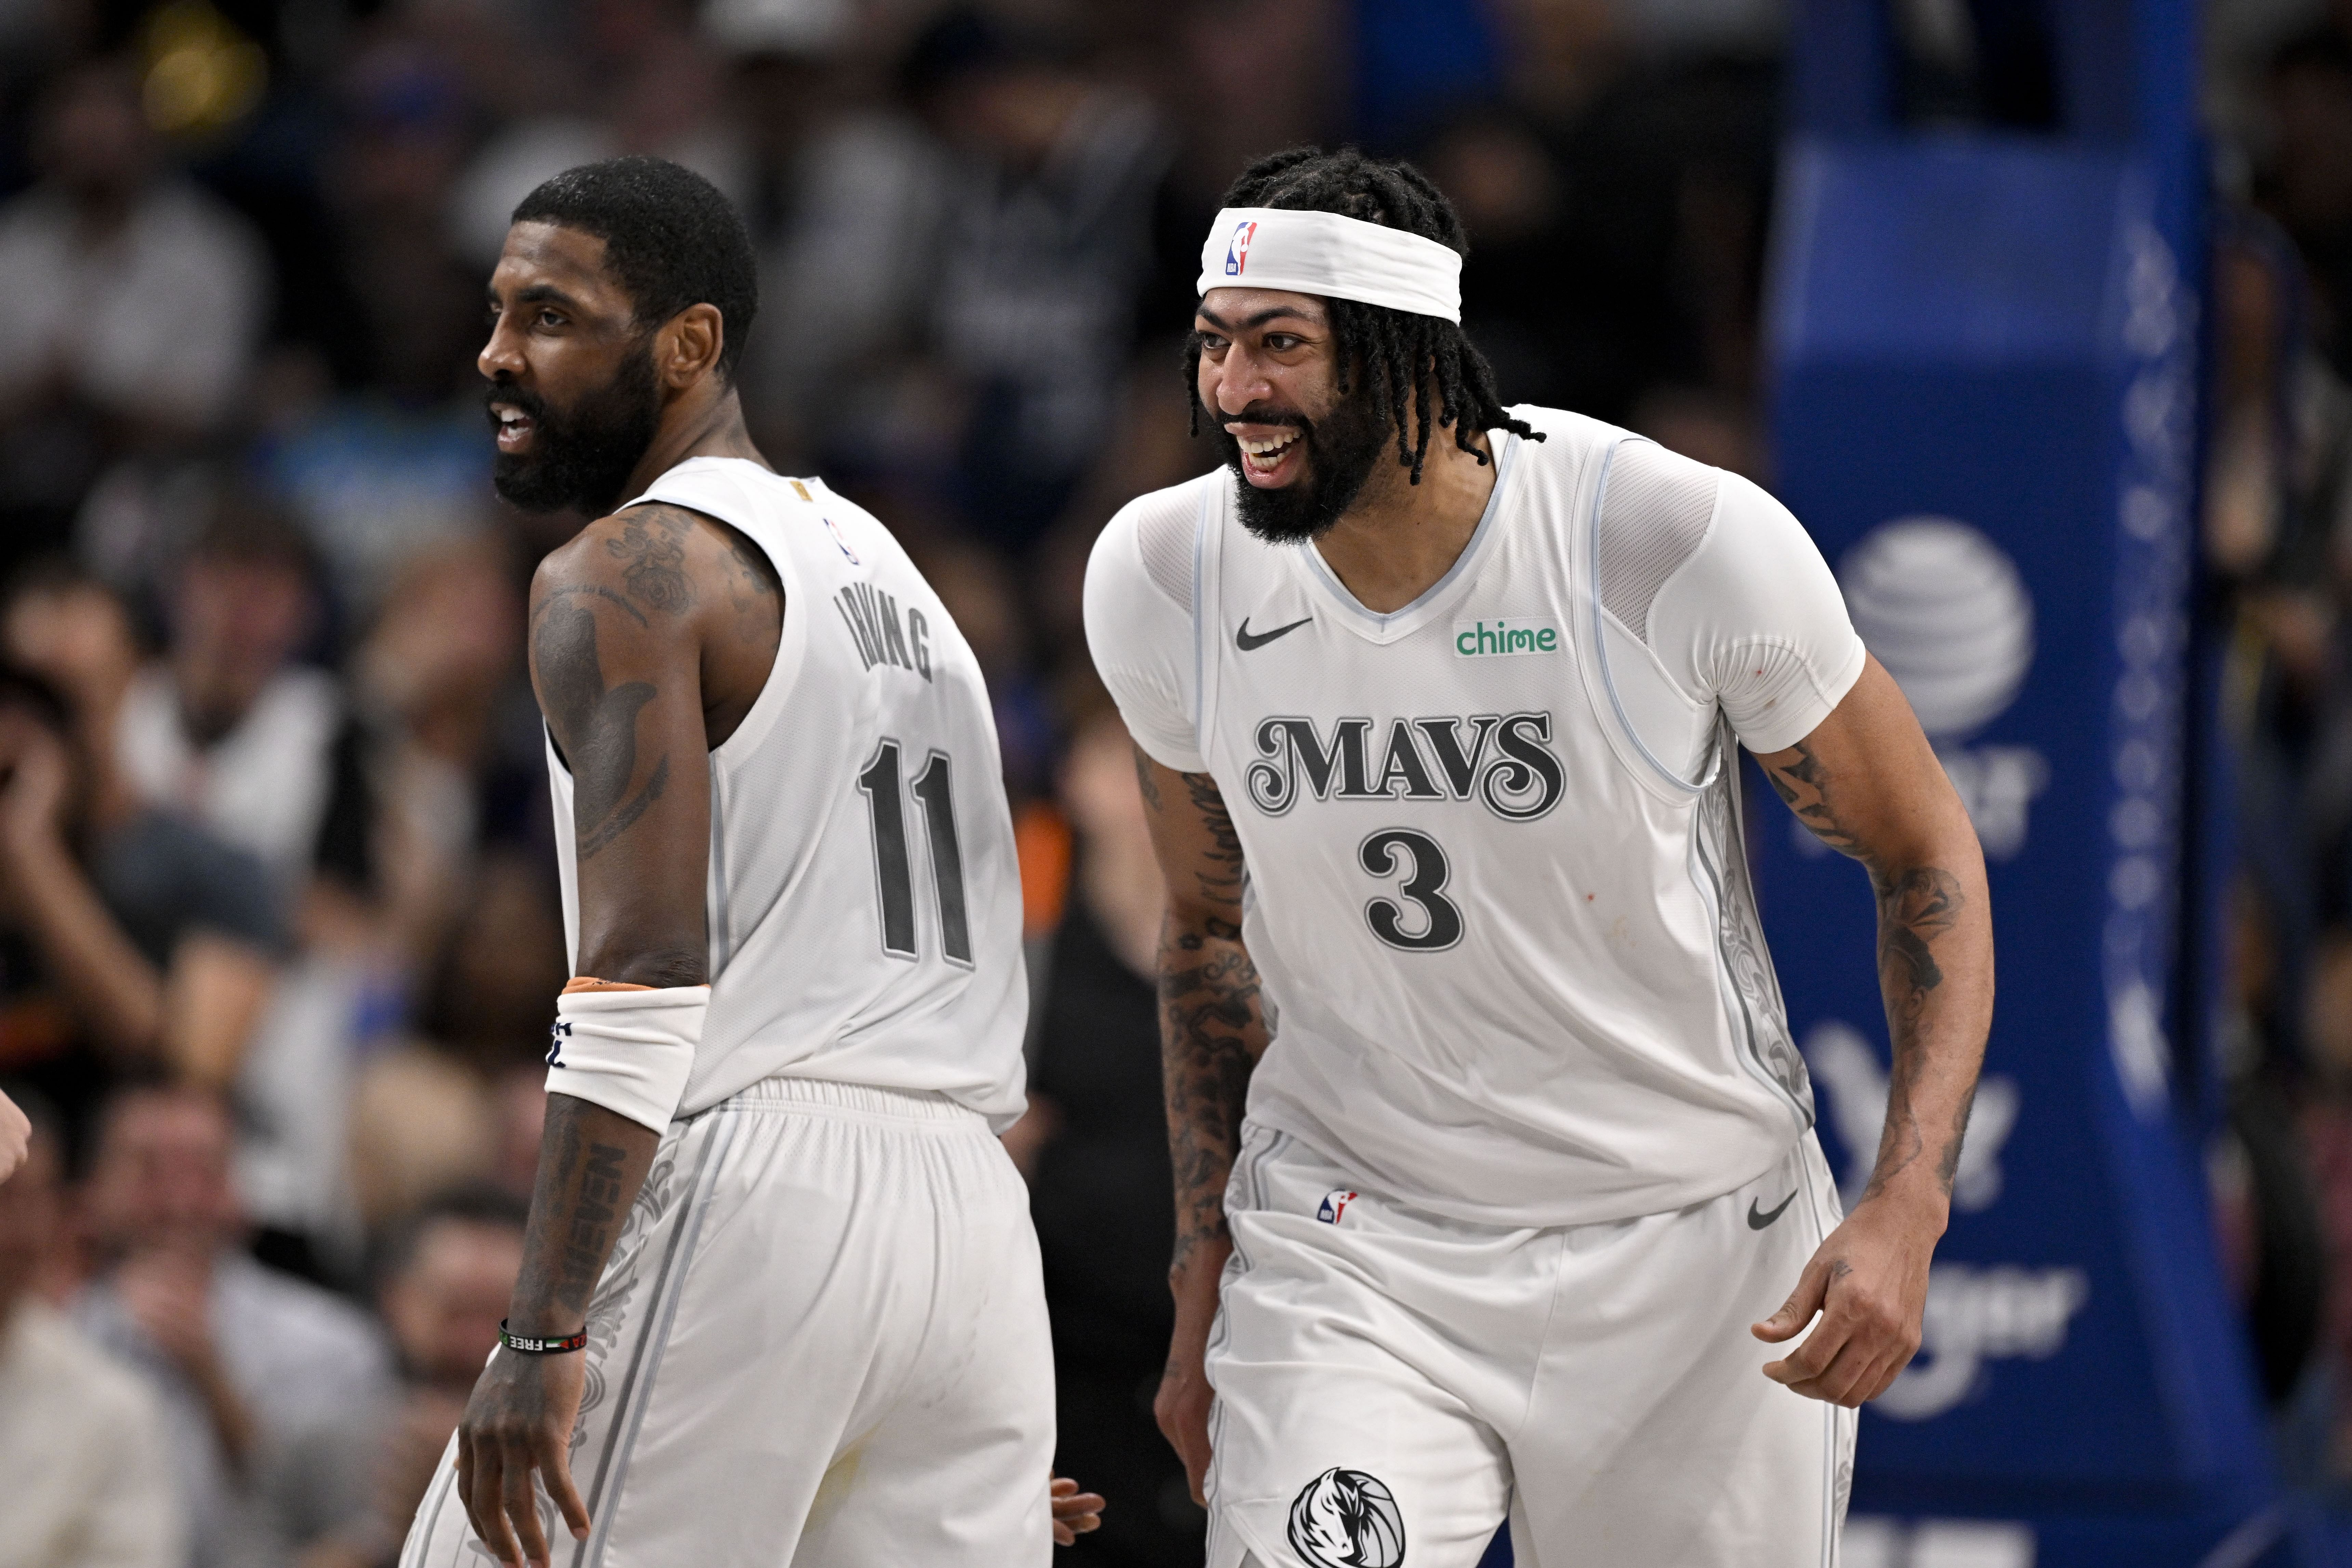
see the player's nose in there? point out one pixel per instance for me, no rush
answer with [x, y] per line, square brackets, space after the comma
[1241, 381]
[502, 357]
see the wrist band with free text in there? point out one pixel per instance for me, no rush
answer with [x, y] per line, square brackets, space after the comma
[528, 1345]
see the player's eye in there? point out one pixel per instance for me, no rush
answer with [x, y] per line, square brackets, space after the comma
[1213, 344]
[1282, 342]
[550, 318]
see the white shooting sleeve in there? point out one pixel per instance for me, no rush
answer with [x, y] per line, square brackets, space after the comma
[628, 1051]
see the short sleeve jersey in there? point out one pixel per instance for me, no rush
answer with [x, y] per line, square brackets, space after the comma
[1496, 895]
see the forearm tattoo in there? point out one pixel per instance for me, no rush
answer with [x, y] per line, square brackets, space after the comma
[1212, 1027]
[1916, 905]
[582, 1195]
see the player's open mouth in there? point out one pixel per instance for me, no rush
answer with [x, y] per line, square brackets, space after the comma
[1267, 461]
[514, 426]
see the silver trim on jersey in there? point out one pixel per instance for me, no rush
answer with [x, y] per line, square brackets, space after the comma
[1601, 643]
[1741, 958]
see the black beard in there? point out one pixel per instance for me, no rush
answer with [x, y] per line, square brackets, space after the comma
[1341, 448]
[583, 457]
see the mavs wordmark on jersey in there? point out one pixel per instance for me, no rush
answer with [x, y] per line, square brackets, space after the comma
[1499, 907]
[1502, 760]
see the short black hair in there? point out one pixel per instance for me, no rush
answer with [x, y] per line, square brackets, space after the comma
[670, 238]
[472, 1203]
[1402, 352]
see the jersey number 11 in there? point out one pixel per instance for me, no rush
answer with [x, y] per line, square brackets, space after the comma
[894, 877]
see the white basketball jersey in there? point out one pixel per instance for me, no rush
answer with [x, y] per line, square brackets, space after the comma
[1496, 896]
[865, 897]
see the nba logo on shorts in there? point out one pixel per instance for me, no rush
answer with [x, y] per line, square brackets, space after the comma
[1346, 1518]
[1237, 253]
[1335, 1204]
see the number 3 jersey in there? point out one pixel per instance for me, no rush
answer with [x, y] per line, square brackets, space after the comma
[1497, 894]
[865, 897]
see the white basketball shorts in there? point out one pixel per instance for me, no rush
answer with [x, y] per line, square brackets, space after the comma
[821, 1342]
[1390, 1385]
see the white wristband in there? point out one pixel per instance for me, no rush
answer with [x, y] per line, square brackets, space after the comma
[629, 1052]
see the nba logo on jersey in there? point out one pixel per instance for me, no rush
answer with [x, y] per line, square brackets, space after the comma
[835, 529]
[1335, 1204]
[1237, 253]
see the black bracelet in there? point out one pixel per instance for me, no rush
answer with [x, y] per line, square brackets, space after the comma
[530, 1346]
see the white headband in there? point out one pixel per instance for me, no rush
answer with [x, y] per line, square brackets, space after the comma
[1338, 258]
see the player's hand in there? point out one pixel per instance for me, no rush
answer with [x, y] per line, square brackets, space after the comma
[520, 1420]
[1868, 1280]
[1075, 1512]
[15, 1137]
[1182, 1405]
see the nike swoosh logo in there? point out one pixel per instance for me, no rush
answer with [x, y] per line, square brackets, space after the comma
[1249, 641]
[1759, 1221]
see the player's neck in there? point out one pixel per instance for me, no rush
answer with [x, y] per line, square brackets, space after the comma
[698, 425]
[1400, 538]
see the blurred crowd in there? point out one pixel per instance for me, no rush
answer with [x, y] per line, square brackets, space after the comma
[279, 939]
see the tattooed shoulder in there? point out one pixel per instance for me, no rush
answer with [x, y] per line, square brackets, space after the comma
[650, 547]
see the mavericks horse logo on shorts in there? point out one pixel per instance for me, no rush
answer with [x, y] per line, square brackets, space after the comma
[1346, 1518]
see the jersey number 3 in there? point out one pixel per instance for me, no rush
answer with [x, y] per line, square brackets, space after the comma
[1416, 859]
[894, 877]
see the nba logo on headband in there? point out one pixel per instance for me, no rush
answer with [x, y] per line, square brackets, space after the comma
[1237, 253]
[1336, 256]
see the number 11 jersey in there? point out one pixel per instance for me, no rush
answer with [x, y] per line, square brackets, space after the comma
[864, 896]
[1497, 894]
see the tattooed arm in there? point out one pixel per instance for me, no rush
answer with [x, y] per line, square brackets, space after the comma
[1212, 1033]
[650, 635]
[1867, 783]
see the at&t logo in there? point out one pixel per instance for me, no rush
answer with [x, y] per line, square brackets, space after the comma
[1947, 614]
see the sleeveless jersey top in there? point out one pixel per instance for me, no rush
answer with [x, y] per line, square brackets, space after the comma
[1497, 892]
[865, 897]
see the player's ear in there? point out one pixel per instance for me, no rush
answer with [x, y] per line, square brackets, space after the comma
[690, 343]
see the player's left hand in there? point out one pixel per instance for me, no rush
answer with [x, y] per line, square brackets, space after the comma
[520, 1420]
[1868, 1280]
[1075, 1512]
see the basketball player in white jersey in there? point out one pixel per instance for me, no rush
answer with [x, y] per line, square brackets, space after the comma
[1483, 1108]
[780, 1303]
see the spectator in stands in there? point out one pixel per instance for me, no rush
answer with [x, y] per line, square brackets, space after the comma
[88, 1480]
[132, 301]
[446, 1279]
[1048, 240]
[135, 939]
[462, 1103]
[1095, 1142]
[226, 727]
[274, 1390]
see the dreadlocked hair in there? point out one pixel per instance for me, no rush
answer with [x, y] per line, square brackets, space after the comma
[1403, 353]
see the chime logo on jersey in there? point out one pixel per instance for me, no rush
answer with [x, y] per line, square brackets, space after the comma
[1504, 760]
[1335, 1204]
[1515, 634]
[1237, 253]
[1346, 1518]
